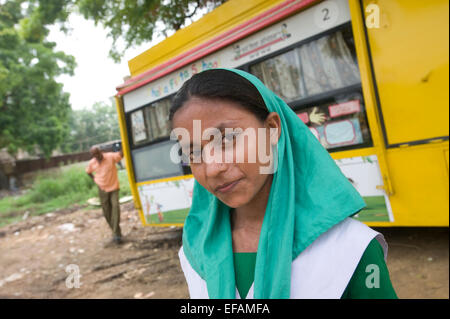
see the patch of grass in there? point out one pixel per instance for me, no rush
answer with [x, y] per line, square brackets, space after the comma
[375, 211]
[125, 189]
[53, 192]
[176, 216]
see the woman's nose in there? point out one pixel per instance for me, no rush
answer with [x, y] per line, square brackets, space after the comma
[214, 168]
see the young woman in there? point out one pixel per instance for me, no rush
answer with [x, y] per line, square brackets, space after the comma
[268, 229]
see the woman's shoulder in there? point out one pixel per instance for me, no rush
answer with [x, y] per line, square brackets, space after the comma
[371, 279]
[348, 234]
[326, 266]
[196, 285]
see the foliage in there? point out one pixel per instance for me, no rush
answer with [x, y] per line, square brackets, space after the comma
[134, 21]
[96, 125]
[35, 111]
[137, 21]
[33, 107]
[51, 192]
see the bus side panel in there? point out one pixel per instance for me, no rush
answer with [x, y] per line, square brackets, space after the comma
[127, 155]
[410, 56]
[420, 180]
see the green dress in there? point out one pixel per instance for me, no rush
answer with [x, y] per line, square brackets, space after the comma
[244, 265]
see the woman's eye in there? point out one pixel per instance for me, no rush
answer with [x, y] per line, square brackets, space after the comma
[229, 138]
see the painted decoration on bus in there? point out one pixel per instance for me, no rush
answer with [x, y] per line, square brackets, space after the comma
[169, 202]
[173, 82]
[166, 202]
[259, 47]
[304, 117]
[337, 124]
[345, 108]
[365, 175]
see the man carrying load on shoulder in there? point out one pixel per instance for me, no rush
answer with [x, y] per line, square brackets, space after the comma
[102, 169]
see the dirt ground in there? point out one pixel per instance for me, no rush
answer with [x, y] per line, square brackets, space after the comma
[35, 252]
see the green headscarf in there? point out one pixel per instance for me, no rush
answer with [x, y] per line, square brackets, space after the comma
[308, 196]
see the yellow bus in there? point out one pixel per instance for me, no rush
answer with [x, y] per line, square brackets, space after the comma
[369, 78]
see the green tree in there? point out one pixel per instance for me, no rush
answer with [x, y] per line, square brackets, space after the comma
[137, 21]
[33, 107]
[134, 21]
[34, 110]
[95, 125]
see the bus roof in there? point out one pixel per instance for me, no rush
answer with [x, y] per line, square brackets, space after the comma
[226, 17]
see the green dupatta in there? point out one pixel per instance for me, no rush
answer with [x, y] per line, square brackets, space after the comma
[308, 196]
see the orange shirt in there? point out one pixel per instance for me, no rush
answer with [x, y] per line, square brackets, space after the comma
[105, 172]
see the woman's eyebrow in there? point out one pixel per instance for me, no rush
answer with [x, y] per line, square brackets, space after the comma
[226, 124]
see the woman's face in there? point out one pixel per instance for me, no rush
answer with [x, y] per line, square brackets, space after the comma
[234, 178]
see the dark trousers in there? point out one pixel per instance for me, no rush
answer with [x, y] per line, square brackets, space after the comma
[111, 209]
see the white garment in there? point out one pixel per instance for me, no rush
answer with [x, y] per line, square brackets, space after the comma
[322, 271]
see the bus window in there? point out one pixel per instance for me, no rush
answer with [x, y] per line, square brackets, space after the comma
[153, 161]
[151, 122]
[320, 80]
[158, 115]
[282, 75]
[315, 67]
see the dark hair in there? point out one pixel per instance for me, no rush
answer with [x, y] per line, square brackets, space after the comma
[221, 84]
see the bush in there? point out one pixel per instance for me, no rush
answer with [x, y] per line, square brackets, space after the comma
[57, 191]
[71, 182]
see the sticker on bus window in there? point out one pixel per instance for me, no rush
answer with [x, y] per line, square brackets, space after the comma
[304, 117]
[138, 125]
[342, 133]
[345, 108]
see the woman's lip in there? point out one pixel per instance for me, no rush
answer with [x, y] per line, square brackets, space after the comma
[228, 187]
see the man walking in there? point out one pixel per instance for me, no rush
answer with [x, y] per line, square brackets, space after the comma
[104, 167]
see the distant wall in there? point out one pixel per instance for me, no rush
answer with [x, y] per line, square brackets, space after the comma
[29, 165]
[11, 173]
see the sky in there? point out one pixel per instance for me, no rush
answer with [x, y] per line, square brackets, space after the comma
[96, 75]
